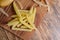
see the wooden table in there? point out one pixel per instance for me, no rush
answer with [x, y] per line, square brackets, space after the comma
[49, 27]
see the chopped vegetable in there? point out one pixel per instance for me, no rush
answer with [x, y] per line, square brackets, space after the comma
[23, 19]
[16, 9]
[12, 22]
[32, 16]
[14, 16]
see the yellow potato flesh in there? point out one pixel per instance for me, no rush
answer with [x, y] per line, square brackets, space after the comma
[4, 3]
[25, 19]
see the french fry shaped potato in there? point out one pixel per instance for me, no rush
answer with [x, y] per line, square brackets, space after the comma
[23, 19]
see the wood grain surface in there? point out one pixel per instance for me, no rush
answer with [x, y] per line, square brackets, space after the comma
[49, 26]
[28, 4]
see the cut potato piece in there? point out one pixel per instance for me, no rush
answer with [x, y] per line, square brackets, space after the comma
[16, 9]
[23, 20]
[14, 16]
[26, 24]
[22, 29]
[26, 11]
[31, 10]
[19, 25]
[31, 18]
[12, 23]
[15, 24]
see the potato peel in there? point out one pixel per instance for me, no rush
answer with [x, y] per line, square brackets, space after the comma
[4, 3]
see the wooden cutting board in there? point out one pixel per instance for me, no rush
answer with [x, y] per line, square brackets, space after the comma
[27, 4]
